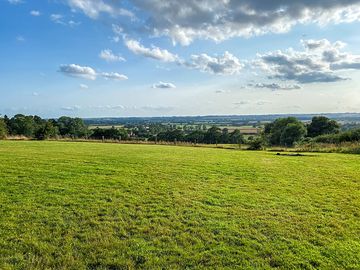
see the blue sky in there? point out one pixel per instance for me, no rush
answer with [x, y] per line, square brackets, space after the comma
[99, 58]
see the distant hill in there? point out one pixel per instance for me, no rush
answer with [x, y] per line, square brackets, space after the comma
[218, 119]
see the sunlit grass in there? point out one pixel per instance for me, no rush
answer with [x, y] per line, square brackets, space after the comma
[111, 206]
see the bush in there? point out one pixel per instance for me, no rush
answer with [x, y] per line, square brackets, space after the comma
[256, 144]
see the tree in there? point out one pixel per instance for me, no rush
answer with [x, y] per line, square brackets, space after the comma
[74, 127]
[321, 125]
[284, 131]
[3, 129]
[22, 125]
[196, 136]
[46, 130]
[236, 137]
[213, 135]
[225, 137]
[292, 133]
[256, 144]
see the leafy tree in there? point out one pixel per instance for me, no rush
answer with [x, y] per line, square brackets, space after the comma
[225, 136]
[22, 125]
[3, 129]
[321, 125]
[256, 144]
[110, 133]
[280, 131]
[292, 133]
[213, 135]
[46, 130]
[196, 136]
[74, 127]
[171, 135]
[236, 137]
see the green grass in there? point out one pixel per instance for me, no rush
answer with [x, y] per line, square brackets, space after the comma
[111, 206]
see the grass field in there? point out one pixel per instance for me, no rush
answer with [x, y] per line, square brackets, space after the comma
[110, 206]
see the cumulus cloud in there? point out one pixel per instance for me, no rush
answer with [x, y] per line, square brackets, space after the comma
[275, 86]
[35, 13]
[89, 73]
[219, 20]
[109, 56]
[93, 8]
[317, 63]
[163, 85]
[74, 70]
[114, 76]
[153, 52]
[226, 64]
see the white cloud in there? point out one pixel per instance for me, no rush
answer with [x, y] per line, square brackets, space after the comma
[74, 70]
[219, 20]
[163, 85]
[83, 86]
[109, 56]
[35, 13]
[93, 8]
[35, 94]
[317, 63]
[226, 64]
[60, 19]
[114, 76]
[71, 108]
[154, 52]
[72, 23]
[89, 73]
[275, 86]
[57, 18]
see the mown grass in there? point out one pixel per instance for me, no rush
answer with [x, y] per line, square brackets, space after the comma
[111, 206]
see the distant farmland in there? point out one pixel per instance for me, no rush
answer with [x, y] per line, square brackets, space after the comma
[111, 206]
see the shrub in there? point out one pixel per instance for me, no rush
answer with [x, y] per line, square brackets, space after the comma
[256, 144]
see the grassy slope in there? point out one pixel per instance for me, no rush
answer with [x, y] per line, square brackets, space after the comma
[108, 206]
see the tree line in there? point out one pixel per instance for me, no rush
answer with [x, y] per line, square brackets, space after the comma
[289, 131]
[281, 132]
[66, 127]
[41, 129]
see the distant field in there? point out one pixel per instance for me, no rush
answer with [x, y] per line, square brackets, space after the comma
[105, 126]
[111, 206]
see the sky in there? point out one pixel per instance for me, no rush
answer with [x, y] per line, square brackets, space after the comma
[116, 58]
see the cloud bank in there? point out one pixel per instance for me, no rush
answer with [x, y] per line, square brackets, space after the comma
[218, 20]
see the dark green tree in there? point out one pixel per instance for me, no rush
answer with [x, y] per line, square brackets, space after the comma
[46, 130]
[196, 136]
[22, 125]
[225, 136]
[213, 135]
[292, 133]
[236, 137]
[321, 125]
[274, 131]
[3, 129]
[72, 127]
